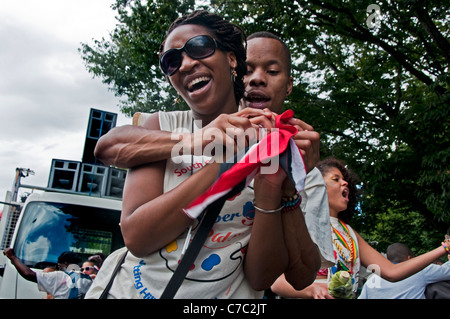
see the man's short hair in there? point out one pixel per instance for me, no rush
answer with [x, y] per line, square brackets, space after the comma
[270, 35]
[398, 253]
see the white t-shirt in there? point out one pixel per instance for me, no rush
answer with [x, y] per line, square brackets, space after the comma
[59, 284]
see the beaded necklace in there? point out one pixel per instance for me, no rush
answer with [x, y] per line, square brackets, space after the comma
[348, 243]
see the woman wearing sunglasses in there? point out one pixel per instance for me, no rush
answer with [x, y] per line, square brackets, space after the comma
[203, 57]
[89, 268]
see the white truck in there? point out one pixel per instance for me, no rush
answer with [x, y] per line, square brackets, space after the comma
[51, 223]
[78, 211]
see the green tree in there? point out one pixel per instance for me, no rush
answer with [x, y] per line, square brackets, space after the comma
[373, 80]
[379, 95]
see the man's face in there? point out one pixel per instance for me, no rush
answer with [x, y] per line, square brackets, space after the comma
[267, 82]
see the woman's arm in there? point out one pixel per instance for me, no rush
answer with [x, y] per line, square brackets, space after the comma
[395, 272]
[304, 257]
[279, 242]
[315, 291]
[266, 257]
[150, 218]
[290, 242]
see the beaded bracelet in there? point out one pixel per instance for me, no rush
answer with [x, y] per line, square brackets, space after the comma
[291, 202]
[447, 248]
[268, 211]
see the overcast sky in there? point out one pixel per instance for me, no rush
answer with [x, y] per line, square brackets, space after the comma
[45, 90]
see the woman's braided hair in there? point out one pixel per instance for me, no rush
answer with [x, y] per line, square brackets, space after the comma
[229, 38]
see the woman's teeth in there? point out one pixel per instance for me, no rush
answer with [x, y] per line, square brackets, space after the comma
[345, 193]
[198, 83]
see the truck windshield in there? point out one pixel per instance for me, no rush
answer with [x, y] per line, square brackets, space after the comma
[49, 229]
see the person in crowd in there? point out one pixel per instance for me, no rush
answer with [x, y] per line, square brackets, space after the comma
[92, 265]
[440, 289]
[49, 269]
[61, 284]
[203, 57]
[97, 259]
[412, 287]
[89, 268]
[351, 250]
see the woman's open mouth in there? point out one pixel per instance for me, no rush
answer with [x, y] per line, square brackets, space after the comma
[345, 194]
[198, 83]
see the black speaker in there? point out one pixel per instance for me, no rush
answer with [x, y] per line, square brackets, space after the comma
[93, 179]
[116, 181]
[100, 123]
[64, 175]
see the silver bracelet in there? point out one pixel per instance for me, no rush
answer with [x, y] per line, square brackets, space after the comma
[267, 211]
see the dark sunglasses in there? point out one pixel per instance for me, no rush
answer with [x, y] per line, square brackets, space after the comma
[199, 47]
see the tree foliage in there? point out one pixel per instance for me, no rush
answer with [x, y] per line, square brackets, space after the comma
[373, 80]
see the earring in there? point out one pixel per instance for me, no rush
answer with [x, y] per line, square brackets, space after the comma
[233, 75]
[177, 100]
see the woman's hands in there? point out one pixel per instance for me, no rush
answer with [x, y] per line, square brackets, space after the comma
[230, 133]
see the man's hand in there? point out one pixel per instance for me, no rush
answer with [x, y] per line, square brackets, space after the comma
[9, 252]
[308, 141]
[22, 269]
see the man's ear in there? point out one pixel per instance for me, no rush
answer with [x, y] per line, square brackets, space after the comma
[290, 86]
